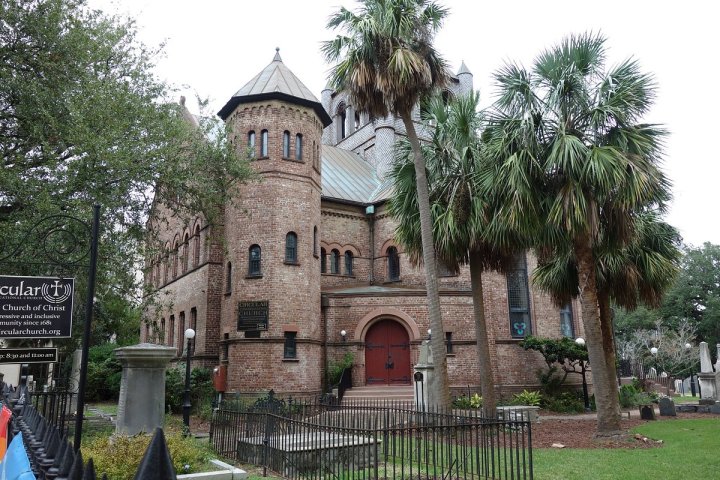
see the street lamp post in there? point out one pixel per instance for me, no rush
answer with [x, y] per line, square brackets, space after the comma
[189, 335]
[583, 366]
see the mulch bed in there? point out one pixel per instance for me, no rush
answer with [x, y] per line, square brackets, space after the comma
[580, 433]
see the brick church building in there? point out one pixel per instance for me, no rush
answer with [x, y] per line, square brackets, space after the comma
[304, 268]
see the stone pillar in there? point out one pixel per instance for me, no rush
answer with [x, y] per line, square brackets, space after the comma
[141, 407]
[424, 378]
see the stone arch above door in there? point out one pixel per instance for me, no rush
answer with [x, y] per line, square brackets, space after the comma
[380, 313]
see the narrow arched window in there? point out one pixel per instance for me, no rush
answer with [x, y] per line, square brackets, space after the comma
[315, 241]
[254, 266]
[291, 248]
[286, 144]
[186, 253]
[323, 261]
[228, 278]
[340, 119]
[264, 143]
[298, 147]
[176, 247]
[393, 260]
[334, 261]
[251, 143]
[518, 296]
[348, 263]
[196, 247]
[357, 120]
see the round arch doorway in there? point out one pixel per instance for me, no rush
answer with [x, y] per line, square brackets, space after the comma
[387, 354]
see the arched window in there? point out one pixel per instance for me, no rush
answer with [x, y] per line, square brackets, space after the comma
[251, 143]
[254, 265]
[228, 278]
[357, 120]
[162, 331]
[335, 261]
[286, 144]
[348, 263]
[196, 247]
[186, 253]
[341, 118]
[518, 297]
[315, 241]
[393, 263]
[166, 262]
[291, 248]
[323, 261]
[176, 247]
[567, 328]
[298, 147]
[264, 143]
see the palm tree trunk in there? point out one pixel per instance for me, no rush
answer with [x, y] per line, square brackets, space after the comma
[607, 414]
[606, 326]
[482, 339]
[440, 389]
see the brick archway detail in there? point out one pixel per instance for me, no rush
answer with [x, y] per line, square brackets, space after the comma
[403, 318]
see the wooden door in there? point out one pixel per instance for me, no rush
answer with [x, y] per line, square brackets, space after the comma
[387, 354]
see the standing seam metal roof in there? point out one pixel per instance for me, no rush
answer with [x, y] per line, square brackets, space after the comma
[347, 176]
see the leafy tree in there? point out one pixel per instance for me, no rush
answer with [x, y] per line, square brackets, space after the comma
[561, 354]
[386, 62]
[575, 164]
[460, 208]
[84, 121]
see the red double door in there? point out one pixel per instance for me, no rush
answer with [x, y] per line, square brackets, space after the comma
[387, 354]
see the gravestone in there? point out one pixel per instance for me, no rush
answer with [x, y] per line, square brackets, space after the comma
[708, 379]
[141, 407]
[667, 407]
[647, 412]
[424, 378]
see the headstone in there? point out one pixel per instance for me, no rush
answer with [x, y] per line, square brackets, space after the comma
[424, 378]
[647, 412]
[141, 407]
[705, 360]
[717, 358]
[715, 408]
[667, 407]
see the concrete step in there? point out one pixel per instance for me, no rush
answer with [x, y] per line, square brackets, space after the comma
[381, 393]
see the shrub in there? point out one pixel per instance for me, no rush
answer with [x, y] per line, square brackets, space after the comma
[119, 458]
[627, 396]
[335, 369]
[565, 402]
[526, 397]
[463, 401]
[201, 388]
[103, 374]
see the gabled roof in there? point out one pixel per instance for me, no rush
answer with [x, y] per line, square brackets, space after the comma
[348, 177]
[276, 81]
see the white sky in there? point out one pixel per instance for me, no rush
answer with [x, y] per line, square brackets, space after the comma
[214, 47]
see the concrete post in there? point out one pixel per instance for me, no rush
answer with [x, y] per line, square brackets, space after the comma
[141, 407]
[424, 378]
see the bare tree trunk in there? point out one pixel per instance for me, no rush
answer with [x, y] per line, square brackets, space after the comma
[482, 339]
[606, 326]
[606, 398]
[441, 392]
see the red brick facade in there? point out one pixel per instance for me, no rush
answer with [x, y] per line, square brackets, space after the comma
[303, 304]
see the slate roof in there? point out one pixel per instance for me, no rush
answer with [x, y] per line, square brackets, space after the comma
[275, 81]
[347, 176]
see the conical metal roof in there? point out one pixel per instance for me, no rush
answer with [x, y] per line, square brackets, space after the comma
[278, 82]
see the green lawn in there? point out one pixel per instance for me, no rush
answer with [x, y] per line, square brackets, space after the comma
[689, 451]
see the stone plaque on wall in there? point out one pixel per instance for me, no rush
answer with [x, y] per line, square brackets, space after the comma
[253, 315]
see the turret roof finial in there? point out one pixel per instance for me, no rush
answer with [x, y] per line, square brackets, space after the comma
[277, 55]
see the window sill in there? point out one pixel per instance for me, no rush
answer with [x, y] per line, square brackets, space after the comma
[227, 294]
[291, 360]
[296, 264]
[336, 275]
[250, 277]
[397, 280]
[510, 340]
[316, 255]
[289, 159]
[449, 354]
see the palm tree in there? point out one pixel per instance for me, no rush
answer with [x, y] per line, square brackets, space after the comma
[461, 210]
[571, 152]
[386, 62]
[640, 271]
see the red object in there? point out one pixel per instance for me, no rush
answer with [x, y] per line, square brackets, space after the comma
[5, 415]
[220, 378]
[387, 354]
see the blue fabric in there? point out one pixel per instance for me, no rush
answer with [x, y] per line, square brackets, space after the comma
[16, 465]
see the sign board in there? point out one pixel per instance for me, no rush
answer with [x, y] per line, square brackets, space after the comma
[28, 355]
[36, 307]
[253, 315]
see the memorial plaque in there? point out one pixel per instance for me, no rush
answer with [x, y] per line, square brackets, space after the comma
[253, 315]
[28, 355]
[36, 307]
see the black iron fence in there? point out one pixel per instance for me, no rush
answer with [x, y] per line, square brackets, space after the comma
[300, 439]
[56, 407]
